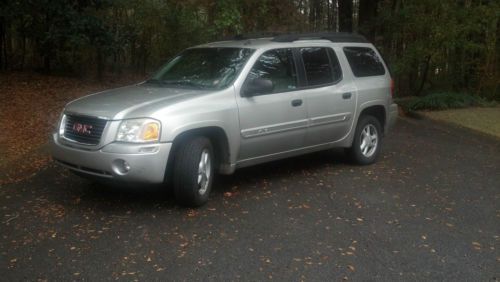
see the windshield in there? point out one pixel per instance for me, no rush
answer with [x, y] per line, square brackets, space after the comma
[204, 68]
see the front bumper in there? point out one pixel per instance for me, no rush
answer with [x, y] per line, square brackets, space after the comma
[147, 162]
[393, 116]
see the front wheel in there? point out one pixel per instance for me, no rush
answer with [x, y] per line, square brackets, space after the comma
[367, 141]
[193, 171]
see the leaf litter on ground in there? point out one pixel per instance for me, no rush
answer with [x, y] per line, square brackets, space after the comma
[30, 105]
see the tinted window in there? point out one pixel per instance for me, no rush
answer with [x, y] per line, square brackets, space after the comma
[337, 70]
[277, 66]
[317, 66]
[211, 68]
[364, 61]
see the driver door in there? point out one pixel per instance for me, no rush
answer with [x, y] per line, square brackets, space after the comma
[274, 122]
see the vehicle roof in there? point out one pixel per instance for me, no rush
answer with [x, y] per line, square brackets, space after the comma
[256, 42]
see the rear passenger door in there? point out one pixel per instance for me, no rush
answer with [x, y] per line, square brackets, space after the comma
[330, 96]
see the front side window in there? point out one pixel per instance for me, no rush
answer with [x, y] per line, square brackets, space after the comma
[279, 67]
[203, 68]
[364, 61]
[318, 67]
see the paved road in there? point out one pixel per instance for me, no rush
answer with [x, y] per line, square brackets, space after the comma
[428, 210]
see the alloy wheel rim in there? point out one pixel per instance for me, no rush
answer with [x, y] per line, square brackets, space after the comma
[369, 140]
[204, 169]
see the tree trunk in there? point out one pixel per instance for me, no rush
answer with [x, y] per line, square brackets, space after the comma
[100, 63]
[345, 15]
[2, 36]
[332, 15]
[7, 46]
[315, 14]
[46, 63]
[47, 47]
[366, 19]
[23, 53]
[424, 75]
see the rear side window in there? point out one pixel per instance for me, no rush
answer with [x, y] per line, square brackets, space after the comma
[364, 61]
[319, 67]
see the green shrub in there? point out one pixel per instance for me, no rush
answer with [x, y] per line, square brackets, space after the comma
[443, 101]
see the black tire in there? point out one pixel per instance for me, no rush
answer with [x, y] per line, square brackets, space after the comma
[186, 171]
[354, 152]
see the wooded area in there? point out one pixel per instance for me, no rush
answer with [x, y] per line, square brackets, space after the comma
[431, 45]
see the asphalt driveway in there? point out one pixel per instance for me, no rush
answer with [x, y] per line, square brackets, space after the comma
[428, 210]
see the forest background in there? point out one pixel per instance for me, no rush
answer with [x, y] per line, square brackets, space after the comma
[431, 46]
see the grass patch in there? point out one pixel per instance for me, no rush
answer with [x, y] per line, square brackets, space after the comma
[443, 101]
[485, 120]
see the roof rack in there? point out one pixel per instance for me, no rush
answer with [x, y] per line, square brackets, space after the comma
[255, 35]
[331, 36]
[291, 37]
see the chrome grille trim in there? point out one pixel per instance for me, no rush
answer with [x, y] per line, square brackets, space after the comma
[93, 137]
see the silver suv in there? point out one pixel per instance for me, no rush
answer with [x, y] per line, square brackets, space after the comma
[225, 105]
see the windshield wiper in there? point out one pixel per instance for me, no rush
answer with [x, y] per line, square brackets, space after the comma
[182, 83]
[154, 81]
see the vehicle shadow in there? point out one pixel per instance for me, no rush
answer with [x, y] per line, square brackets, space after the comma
[119, 196]
[245, 178]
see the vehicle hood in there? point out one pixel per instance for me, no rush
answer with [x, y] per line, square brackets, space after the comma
[130, 101]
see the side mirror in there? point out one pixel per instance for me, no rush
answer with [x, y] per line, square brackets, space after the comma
[257, 86]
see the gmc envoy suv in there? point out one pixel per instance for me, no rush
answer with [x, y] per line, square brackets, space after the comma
[220, 106]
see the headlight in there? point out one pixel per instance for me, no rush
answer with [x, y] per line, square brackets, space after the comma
[139, 131]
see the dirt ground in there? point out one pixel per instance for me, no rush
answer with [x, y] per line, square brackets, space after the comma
[30, 105]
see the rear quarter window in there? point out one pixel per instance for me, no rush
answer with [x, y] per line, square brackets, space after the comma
[364, 61]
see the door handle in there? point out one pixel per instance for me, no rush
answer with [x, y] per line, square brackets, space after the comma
[347, 95]
[296, 102]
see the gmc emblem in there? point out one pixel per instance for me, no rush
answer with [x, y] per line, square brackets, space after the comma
[82, 128]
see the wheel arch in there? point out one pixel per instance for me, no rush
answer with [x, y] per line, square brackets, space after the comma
[377, 111]
[375, 108]
[217, 137]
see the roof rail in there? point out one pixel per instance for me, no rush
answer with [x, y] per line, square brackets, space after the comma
[291, 37]
[332, 36]
[255, 35]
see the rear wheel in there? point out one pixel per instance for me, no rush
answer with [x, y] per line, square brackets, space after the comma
[193, 171]
[367, 141]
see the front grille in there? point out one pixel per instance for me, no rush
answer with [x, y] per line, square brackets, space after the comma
[85, 169]
[85, 130]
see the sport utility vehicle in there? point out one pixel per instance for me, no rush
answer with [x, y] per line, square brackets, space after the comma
[225, 105]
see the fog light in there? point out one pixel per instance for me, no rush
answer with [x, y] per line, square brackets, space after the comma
[120, 167]
[150, 149]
